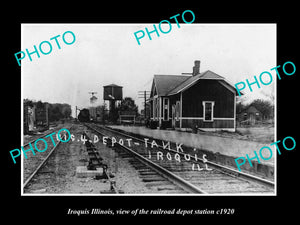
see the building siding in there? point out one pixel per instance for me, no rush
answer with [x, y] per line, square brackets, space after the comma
[208, 90]
[191, 123]
[191, 110]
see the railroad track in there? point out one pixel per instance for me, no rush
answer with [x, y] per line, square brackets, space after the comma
[43, 135]
[217, 180]
[153, 175]
[95, 161]
[38, 161]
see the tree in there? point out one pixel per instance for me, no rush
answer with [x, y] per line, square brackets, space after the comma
[59, 111]
[66, 110]
[240, 107]
[54, 112]
[28, 102]
[127, 104]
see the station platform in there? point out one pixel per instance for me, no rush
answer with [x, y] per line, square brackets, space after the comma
[223, 150]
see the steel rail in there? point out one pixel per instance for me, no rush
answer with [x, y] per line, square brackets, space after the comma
[221, 168]
[44, 136]
[36, 139]
[44, 160]
[41, 164]
[159, 169]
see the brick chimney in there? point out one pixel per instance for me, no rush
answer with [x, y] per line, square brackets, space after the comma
[196, 68]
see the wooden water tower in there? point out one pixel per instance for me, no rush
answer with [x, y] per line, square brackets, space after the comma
[112, 93]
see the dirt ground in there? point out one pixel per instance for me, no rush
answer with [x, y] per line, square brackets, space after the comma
[259, 134]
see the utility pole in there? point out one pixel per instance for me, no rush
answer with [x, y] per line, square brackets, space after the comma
[145, 95]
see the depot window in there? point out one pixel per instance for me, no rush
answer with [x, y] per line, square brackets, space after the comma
[208, 111]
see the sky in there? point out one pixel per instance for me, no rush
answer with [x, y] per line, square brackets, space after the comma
[103, 54]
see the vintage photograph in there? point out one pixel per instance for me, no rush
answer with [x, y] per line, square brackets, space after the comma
[148, 109]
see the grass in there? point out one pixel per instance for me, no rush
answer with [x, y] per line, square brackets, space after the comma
[263, 134]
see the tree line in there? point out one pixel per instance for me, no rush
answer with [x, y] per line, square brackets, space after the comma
[56, 111]
[126, 105]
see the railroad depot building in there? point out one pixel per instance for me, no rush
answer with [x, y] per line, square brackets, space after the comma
[204, 100]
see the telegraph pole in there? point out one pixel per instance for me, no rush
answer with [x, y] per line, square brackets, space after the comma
[144, 95]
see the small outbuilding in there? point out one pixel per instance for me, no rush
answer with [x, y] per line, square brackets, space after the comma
[251, 115]
[193, 100]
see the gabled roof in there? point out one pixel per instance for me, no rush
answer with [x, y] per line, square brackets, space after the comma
[188, 82]
[205, 75]
[210, 75]
[165, 83]
[112, 85]
[251, 109]
[174, 84]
